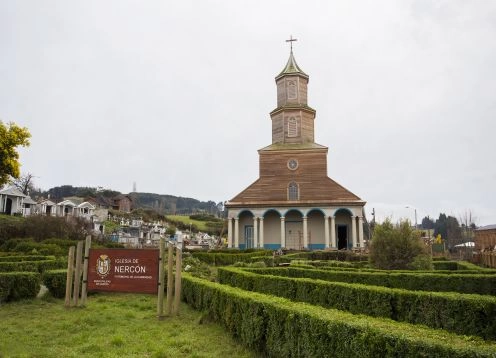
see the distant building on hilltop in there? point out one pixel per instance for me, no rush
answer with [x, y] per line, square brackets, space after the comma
[294, 204]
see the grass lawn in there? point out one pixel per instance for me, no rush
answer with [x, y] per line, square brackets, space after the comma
[112, 325]
[201, 225]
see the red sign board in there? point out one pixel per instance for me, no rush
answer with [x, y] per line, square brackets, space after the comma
[123, 270]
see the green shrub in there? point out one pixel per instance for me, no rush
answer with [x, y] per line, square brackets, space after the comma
[464, 265]
[16, 286]
[460, 313]
[227, 258]
[55, 281]
[31, 266]
[445, 265]
[277, 327]
[445, 272]
[469, 283]
[16, 258]
[398, 248]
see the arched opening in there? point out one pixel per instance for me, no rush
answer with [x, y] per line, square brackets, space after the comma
[272, 229]
[316, 229]
[294, 229]
[246, 233]
[343, 229]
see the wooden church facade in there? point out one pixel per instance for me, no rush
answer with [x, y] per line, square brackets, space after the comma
[294, 204]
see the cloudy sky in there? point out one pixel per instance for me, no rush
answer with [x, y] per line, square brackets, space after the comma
[176, 95]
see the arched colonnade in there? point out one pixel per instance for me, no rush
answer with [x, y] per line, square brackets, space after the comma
[296, 228]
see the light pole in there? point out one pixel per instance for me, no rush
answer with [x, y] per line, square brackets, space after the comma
[409, 207]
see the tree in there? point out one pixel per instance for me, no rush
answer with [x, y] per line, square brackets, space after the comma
[24, 183]
[427, 223]
[11, 137]
[449, 229]
[397, 247]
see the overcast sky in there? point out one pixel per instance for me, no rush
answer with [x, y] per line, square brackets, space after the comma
[176, 95]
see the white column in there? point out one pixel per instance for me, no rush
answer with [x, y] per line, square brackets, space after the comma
[360, 231]
[305, 232]
[283, 233]
[333, 232]
[229, 233]
[255, 232]
[261, 233]
[236, 233]
[326, 231]
[353, 232]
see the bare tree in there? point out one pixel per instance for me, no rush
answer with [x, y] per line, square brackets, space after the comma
[467, 221]
[24, 183]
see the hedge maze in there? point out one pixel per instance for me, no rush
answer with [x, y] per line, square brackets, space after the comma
[21, 276]
[320, 304]
[320, 307]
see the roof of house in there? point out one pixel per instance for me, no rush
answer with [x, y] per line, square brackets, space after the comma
[66, 203]
[487, 227]
[268, 192]
[86, 205]
[12, 191]
[28, 200]
[47, 202]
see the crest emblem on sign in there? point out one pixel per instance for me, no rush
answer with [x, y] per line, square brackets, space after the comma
[103, 265]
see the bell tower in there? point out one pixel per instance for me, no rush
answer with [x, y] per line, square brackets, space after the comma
[293, 119]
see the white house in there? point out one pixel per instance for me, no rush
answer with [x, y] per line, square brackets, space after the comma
[66, 208]
[46, 207]
[11, 201]
[28, 206]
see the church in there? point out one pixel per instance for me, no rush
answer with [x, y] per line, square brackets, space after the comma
[294, 204]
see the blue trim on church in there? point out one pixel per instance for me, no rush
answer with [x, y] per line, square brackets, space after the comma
[272, 246]
[316, 246]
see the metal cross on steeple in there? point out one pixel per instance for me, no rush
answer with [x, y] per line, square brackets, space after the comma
[291, 39]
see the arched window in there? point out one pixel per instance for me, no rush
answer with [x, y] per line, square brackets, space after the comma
[293, 191]
[292, 127]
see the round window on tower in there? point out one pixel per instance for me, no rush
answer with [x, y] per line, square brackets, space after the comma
[292, 164]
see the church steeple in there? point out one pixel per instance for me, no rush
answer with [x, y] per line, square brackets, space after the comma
[292, 68]
[292, 120]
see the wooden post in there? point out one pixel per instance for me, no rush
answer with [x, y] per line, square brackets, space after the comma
[160, 303]
[84, 292]
[170, 278]
[70, 271]
[77, 273]
[177, 290]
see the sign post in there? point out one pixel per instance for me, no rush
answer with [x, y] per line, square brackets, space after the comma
[70, 271]
[170, 277]
[177, 290]
[84, 290]
[160, 302]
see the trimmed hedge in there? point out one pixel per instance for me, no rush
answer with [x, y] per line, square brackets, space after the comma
[470, 283]
[16, 286]
[446, 272]
[55, 281]
[445, 265]
[13, 258]
[277, 327]
[31, 266]
[228, 258]
[459, 313]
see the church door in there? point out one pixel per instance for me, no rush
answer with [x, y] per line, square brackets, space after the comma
[294, 235]
[342, 237]
[249, 236]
